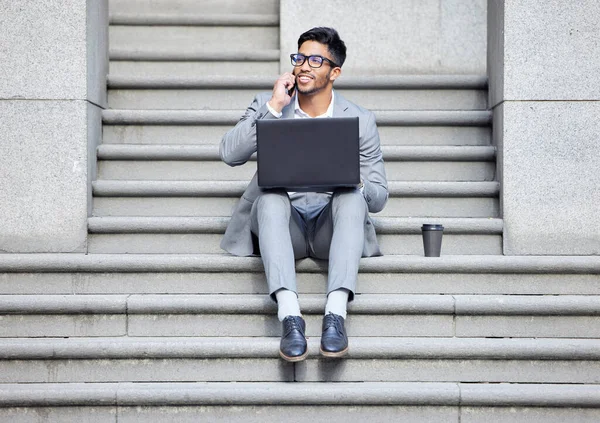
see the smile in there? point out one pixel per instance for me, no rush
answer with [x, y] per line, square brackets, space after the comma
[304, 78]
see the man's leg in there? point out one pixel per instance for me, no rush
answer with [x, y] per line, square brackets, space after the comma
[339, 236]
[281, 240]
[280, 233]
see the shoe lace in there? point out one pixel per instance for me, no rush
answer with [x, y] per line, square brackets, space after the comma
[331, 320]
[292, 323]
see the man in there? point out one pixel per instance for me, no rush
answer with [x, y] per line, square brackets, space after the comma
[288, 226]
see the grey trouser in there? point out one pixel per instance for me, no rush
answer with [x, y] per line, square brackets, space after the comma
[320, 225]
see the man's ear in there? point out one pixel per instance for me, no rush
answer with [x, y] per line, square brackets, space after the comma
[335, 72]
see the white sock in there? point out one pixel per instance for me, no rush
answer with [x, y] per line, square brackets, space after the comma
[287, 303]
[337, 301]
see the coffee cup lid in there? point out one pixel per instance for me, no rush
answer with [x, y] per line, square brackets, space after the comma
[432, 227]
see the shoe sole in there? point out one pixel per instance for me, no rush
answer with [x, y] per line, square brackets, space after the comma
[331, 354]
[293, 359]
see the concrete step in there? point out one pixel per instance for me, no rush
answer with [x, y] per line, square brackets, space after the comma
[178, 38]
[434, 207]
[194, 198]
[203, 235]
[210, 153]
[171, 170]
[190, 225]
[236, 188]
[193, 7]
[314, 413]
[258, 304]
[381, 315]
[201, 162]
[375, 82]
[163, 162]
[219, 99]
[224, 274]
[191, 53]
[549, 265]
[201, 325]
[178, 18]
[420, 281]
[469, 118]
[129, 359]
[210, 244]
[302, 394]
[217, 198]
[184, 68]
[250, 413]
[572, 349]
[212, 134]
[392, 92]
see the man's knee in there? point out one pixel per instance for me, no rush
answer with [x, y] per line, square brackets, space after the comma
[349, 202]
[273, 204]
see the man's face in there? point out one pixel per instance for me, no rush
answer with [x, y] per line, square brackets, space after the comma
[309, 80]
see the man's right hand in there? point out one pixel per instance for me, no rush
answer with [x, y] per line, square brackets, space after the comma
[280, 97]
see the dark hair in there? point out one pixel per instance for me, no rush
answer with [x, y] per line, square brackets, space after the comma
[330, 38]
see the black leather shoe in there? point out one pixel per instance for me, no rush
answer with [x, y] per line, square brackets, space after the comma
[334, 341]
[293, 343]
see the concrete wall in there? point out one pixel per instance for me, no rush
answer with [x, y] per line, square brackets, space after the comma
[544, 58]
[53, 62]
[395, 36]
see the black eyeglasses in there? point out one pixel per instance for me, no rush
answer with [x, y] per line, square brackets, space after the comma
[314, 61]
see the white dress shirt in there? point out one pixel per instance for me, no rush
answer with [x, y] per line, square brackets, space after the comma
[301, 114]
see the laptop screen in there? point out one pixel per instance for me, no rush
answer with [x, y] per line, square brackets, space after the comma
[308, 154]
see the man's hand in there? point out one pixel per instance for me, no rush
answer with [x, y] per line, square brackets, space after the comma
[280, 97]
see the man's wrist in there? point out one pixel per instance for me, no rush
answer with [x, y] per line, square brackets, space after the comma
[273, 111]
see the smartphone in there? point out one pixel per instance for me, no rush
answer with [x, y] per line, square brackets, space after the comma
[291, 90]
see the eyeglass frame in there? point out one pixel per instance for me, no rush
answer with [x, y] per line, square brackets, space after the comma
[331, 62]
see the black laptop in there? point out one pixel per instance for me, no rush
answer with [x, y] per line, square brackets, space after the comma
[308, 154]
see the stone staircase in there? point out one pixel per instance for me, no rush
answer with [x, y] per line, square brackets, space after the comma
[452, 183]
[156, 323]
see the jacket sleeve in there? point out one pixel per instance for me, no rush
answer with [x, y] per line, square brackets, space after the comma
[372, 170]
[239, 143]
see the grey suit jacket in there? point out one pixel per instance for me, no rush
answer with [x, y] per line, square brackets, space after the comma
[238, 145]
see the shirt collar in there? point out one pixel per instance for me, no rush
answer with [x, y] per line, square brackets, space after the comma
[328, 113]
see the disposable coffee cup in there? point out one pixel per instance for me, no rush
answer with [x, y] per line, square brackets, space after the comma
[432, 239]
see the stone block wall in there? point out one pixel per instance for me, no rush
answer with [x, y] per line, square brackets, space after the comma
[395, 36]
[54, 62]
[544, 58]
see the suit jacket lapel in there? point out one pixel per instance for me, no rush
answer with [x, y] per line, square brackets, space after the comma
[339, 106]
